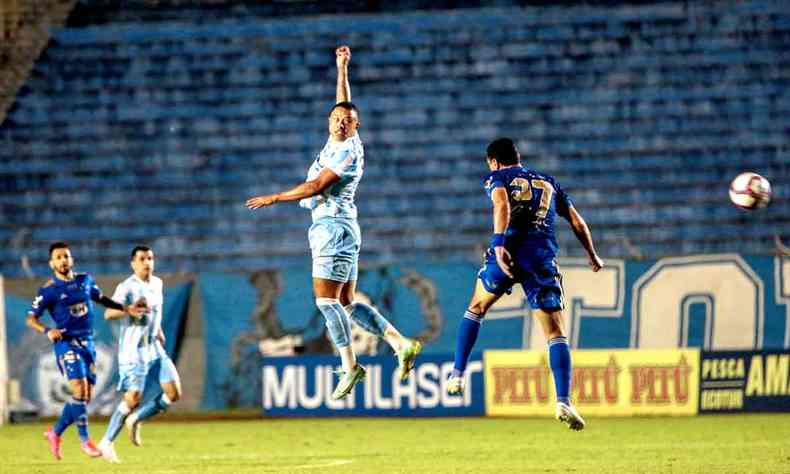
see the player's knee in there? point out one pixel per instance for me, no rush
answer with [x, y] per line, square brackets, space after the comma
[554, 326]
[80, 389]
[346, 300]
[478, 308]
[173, 394]
[132, 399]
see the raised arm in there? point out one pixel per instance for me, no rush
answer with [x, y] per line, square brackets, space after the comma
[343, 90]
[501, 221]
[582, 232]
[326, 178]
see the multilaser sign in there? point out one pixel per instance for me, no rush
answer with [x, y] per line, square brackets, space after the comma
[605, 382]
[744, 381]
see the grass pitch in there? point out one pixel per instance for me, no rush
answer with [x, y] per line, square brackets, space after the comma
[708, 444]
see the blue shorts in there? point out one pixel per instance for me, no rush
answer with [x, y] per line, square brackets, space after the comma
[77, 358]
[537, 272]
[133, 376]
[335, 244]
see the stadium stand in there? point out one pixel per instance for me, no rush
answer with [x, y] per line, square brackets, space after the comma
[157, 133]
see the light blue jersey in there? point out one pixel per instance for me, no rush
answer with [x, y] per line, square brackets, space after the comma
[137, 343]
[347, 160]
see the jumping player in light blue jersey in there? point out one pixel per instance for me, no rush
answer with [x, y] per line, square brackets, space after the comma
[524, 250]
[140, 353]
[69, 298]
[335, 238]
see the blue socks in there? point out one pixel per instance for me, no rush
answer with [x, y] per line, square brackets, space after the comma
[116, 421]
[560, 363]
[73, 411]
[153, 407]
[467, 336]
[79, 414]
[64, 421]
[337, 321]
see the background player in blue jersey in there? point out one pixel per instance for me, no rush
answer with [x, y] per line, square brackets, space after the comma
[140, 353]
[335, 238]
[523, 250]
[69, 298]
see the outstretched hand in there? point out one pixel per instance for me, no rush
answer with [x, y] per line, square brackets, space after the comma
[343, 56]
[261, 201]
[504, 260]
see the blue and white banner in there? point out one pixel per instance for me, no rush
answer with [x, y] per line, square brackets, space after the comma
[705, 301]
[302, 386]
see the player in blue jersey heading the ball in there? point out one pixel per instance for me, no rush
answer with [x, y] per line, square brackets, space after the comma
[69, 298]
[523, 250]
[335, 237]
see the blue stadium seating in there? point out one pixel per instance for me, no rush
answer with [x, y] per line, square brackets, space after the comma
[157, 132]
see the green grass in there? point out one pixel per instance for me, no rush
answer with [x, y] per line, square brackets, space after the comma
[709, 444]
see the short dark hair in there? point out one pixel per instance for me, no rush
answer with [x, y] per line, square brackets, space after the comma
[504, 151]
[140, 248]
[345, 105]
[57, 245]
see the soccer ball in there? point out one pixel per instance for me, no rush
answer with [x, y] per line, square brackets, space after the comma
[750, 191]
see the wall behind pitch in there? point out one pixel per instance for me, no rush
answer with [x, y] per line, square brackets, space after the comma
[713, 302]
[709, 301]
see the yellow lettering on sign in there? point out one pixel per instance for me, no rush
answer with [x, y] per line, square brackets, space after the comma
[776, 368]
[721, 399]
[754, 386]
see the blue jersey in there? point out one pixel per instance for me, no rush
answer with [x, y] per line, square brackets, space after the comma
[70, 303]
[536, 199]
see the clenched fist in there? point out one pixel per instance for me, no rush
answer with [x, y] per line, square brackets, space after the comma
[343, 56]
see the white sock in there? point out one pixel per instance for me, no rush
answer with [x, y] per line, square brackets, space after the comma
[347, 358]
[394, 339]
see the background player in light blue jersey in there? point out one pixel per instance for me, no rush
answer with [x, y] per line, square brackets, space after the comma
[140, 353]
[335, 237]
[524, 250]
[69, 298]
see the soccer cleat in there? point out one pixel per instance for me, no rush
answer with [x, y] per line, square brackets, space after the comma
[455, 385]
[107, 449]
[90, 449]
[406, 358]
[133, 425]
[347, 381]
[54, 443]
[567, 414]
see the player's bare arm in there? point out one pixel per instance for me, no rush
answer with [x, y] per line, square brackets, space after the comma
[501, 221]
[343, 90]
[135, 310]
[307, 189]
[53, 334]
[582, 232]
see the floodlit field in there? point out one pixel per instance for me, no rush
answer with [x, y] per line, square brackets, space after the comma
[709, 444]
